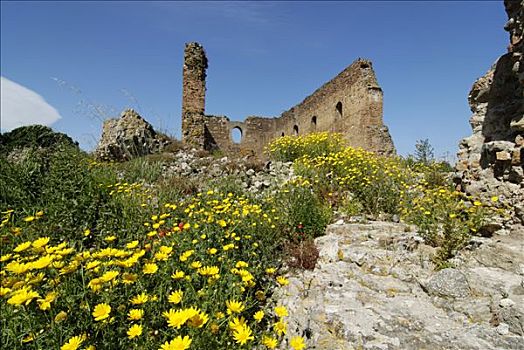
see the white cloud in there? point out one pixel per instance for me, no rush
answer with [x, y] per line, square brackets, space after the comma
[22, 106]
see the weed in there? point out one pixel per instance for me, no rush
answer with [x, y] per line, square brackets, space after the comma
[302, 254]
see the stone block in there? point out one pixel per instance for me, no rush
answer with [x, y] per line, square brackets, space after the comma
[503, 156]
[462, 166]
[497, 146]
[448, 283]
[516, 158]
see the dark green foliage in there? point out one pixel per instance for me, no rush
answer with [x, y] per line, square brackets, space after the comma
[437, 174]
[73, 194]
[32, 136]
[424, 152]
[305, 214]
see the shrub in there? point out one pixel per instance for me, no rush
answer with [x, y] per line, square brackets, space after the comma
[226, 184]
[355, 181]
[445, 218]
[33, 136]
[176, 187]
[375, 182]
[74, 191]
[148, 169]
[304, 211]
[21, 181]
[290, 148]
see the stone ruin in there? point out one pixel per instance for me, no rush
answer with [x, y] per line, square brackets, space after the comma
[490, 162]
[350, 104]
[128, 137]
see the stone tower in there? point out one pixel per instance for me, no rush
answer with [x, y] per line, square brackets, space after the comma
[194, 94]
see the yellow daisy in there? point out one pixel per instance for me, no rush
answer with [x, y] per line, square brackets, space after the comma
[73, 343]
[150, 268]
[176, 297]
[297, 343]
[101, 312]
[178, 343]
[134, 331]
[135, 314]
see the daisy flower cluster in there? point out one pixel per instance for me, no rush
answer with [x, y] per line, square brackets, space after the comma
[197, 274]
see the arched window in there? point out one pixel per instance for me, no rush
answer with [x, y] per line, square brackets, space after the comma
[295, 130]
[314, 122]
[236, 134]
[282, 134]
[339, 109]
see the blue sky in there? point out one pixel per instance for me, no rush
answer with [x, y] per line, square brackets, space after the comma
[91, 60]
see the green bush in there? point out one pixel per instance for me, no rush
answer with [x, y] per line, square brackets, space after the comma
[72, 190]
[445, 218]
[355, 181]
[33, 136]
[224, 244]
[290, 148]
[146, 169]
[374, 182]
[305, 214]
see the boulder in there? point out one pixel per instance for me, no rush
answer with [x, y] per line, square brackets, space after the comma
[128, 137]
[448, 283]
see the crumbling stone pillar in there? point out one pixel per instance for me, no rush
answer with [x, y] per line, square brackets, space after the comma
[193, 95]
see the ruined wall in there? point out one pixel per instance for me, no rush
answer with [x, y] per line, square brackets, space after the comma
[350, 104]
[490, 161]
[193, 94]
[256, 133]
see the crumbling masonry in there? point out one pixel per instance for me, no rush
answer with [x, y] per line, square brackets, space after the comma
[491, 160]
[350, 104]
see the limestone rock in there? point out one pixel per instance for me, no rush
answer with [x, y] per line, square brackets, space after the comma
[127, 137]
[503, 329]
[506, 302]
[517, 124]
[448, 283]
[250, 174]
[368, 292]
[503, 155]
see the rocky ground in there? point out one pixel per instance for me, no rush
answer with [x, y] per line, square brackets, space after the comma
[374, 287]
[253, 176]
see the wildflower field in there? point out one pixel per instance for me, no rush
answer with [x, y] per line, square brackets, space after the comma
[91, 260]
